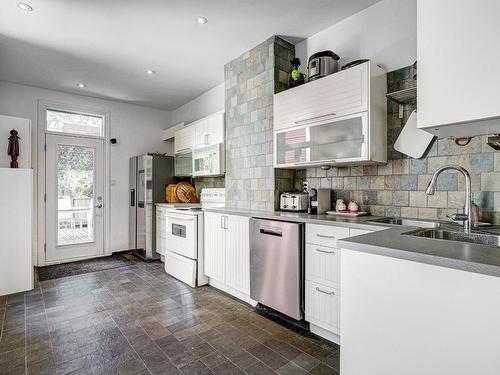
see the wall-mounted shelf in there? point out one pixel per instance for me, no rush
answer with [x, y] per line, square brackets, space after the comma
[402, 97]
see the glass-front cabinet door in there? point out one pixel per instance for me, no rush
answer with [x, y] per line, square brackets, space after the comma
[334, 141]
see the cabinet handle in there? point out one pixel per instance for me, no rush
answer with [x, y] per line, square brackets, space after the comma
[225, 222]
[206, 139]
[324, 291]
[222, 222]
[316, 118]
[311, 163]
[325, 236]
[325, 251]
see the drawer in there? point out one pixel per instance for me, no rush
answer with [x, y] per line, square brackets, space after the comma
[325, 235]
[322, 306]
[182, 268]
[323, 265]
[359, 232]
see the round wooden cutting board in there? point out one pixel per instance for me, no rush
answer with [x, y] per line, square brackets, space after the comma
[186, 192]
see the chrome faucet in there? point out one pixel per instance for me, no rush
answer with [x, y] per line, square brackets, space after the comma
[466, 217]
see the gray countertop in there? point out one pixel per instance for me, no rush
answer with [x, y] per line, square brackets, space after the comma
[339, 221]
[390, 240]
[458, 255]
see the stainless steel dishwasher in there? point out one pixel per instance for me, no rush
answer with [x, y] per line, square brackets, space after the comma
[276, 265]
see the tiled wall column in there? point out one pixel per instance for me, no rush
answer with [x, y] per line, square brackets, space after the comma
[251, 80]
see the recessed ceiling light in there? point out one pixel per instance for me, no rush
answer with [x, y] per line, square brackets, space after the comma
[25, 6]
[82, 85]
[201, 20]
[150, 72]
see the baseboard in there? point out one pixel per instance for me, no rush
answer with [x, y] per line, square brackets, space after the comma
[321, 332]
[232, 292]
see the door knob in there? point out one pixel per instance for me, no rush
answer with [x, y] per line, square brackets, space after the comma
[99, 205]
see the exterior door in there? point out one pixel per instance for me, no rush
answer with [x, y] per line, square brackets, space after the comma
[74, 191]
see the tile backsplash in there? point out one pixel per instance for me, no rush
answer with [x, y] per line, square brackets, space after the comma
[398, 188]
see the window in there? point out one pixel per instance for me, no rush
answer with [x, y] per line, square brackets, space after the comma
[75, 123]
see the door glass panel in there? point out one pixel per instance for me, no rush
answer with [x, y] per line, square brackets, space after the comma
[335, 140]
[75, 192]
[74, 123]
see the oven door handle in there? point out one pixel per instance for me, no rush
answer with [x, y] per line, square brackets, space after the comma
[174, 218]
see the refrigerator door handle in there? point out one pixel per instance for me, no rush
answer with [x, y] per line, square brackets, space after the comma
[132, 197]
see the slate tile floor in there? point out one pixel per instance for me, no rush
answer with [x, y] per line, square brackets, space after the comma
[138, 320]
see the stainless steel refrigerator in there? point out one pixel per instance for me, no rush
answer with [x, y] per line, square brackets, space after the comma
[149, 175]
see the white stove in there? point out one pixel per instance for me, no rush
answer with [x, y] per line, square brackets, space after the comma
[184, 237]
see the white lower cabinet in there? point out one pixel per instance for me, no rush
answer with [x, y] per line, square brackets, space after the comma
[323, 265]
[161, 230]
[323, 307]
[227, 254]
[215, 246]
[322, 274]
[238, 253]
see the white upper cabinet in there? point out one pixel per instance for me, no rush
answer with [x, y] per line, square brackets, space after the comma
[336, 95]
[209, 130]
[336, 120]
[216, 128]
[458, 60]
[201, 132]
[184, 139]
[204, 132]
[169, 133]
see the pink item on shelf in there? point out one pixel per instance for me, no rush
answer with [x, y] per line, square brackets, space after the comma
[340, 206]
[353, 207]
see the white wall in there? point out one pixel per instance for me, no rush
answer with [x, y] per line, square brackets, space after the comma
[207, 103]
[137, 129]
[385, 33]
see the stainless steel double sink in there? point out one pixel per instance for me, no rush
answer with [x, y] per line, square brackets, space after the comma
[477, 237]
[445, 231]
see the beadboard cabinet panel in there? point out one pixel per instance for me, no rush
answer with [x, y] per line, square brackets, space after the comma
[238, 253]
[215, 246]
[323, 265]
[227, 254]
[323, 306]
[337, 95]
[184, 139]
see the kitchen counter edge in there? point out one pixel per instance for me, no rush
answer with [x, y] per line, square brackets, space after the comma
[394, 243]
[359, 222]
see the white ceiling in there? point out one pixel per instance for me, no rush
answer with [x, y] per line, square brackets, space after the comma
[108, 44]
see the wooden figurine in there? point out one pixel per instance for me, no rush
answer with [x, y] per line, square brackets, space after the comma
[13, 150]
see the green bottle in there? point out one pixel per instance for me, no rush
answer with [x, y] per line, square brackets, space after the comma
[296, 77]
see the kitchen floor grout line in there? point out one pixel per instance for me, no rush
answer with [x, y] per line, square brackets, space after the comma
[128, 299]
[47, 320]
[154, 341]
[198, 358]
[118, 326]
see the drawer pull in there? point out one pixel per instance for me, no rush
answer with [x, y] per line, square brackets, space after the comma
[325, 236]
[316, 118]
[324, 291]
[325, 251]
